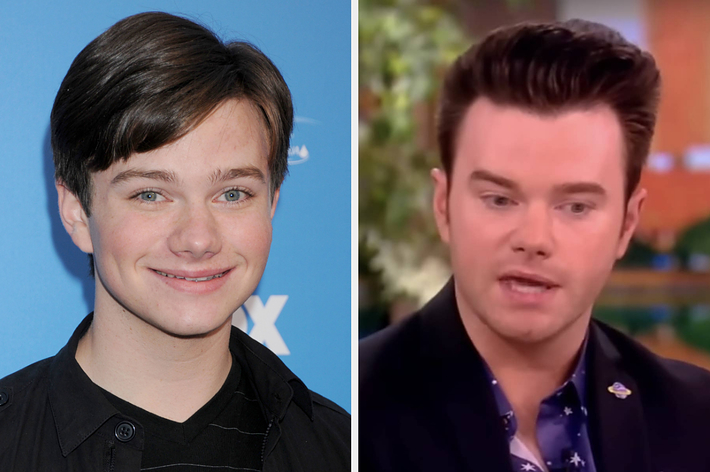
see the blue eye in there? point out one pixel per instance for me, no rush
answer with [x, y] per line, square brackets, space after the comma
[148, 196]
[232, 195]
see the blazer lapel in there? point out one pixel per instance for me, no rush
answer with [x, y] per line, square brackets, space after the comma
[617, 426]
[462, 402]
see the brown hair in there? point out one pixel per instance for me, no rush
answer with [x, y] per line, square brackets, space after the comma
[551, 68]
[147, 81]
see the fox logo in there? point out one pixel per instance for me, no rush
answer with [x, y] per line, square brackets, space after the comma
[264, 318]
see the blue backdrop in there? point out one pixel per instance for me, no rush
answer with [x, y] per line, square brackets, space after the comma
[302, 307]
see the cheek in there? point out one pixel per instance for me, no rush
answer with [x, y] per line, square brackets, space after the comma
[249, 235]
[477, 231]
[127, 236]
[599, 234]
[477, 243]
[591, 249]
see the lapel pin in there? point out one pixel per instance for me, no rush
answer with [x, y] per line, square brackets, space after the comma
[619, 390]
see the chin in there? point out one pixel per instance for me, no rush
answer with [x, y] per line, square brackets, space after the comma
[531, 331]
[192, 326]
[529, 337]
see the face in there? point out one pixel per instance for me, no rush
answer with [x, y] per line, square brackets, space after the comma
[180, 235]
[534, 215]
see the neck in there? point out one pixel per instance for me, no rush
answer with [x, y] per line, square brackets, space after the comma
[168, 376]
[527, 372]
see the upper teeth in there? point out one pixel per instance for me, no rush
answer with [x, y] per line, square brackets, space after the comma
[198, 279]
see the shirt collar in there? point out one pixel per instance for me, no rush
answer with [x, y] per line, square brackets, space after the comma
[80, 409]
[275, 384]
[576, 382]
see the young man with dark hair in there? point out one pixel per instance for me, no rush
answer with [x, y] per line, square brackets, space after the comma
[170, 148]
[543, 130]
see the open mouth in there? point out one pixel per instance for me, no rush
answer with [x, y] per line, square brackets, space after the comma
[190, 279]
[525, 285]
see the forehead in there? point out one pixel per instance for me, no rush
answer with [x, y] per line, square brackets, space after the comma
[233, 134]
[572, 145]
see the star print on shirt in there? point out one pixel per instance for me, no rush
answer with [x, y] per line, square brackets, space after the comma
[576, 460]
[561, 427]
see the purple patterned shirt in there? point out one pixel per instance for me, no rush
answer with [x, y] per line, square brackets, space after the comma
[561, 426]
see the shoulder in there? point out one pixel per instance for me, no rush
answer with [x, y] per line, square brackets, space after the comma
[397, 348]
[388, 359]
[320, 441]
[313, 431]
[331, 417]
[24, 406]
[269, 373]
[328, 408]
[393, 362]
[662, 381]
[25, 384]
[389, 347]
[328, 424]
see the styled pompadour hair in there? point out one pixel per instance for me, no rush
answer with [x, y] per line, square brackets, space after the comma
[551, 68]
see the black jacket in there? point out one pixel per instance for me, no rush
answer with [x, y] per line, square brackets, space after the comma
[53, 418]
[425, 403]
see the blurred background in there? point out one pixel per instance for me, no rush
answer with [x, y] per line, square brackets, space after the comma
[660, 292]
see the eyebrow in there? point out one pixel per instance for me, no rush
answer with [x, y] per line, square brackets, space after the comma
[486, 176]
[165, 176]
[580, 187]
[562, 189]
[220, 176]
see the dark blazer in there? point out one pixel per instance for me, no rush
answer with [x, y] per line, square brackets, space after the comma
[425, 402]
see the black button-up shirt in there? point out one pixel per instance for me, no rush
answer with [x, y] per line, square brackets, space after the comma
[54, 418]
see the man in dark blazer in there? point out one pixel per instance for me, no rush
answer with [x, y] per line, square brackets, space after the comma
[543, 131]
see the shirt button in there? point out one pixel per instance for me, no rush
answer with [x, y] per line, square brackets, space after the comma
[125, 431]
[4, 397]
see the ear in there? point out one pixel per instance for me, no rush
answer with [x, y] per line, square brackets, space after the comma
[441, 203]
[631, 220]
[74, 218]
[274, 201]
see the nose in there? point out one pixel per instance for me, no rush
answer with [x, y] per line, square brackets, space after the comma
[196, 233]
[533, 236]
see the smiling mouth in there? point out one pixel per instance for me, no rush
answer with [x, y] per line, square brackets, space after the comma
[190, 279]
